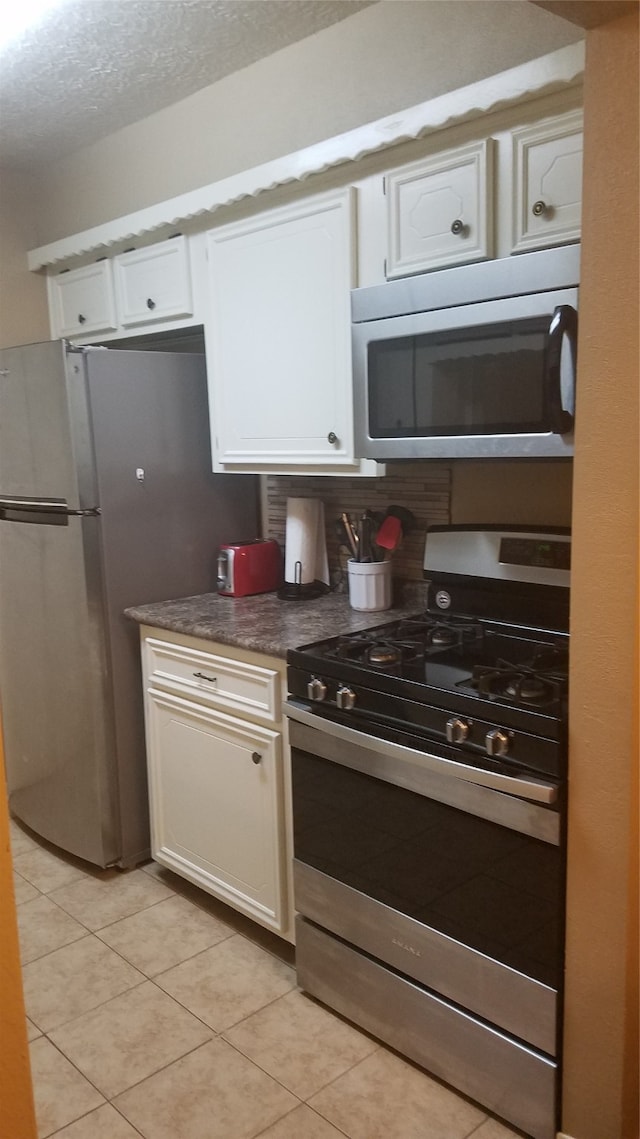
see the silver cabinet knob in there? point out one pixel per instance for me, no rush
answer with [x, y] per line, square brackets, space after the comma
[332, 437]
[458, 228]
[81, 318]
[345, 698]
[496, 742]
[316, 689]
[151, 303]
[539, 208]
[457, 731]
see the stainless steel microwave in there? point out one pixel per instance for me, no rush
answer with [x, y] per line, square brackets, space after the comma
[473, 362]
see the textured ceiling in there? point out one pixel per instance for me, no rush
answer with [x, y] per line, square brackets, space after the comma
[93, 66]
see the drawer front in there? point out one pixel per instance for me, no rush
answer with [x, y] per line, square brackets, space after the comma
[154, 283]
[243, 689]
[84, 301]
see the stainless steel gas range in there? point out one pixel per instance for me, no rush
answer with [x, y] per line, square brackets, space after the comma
[429, 801]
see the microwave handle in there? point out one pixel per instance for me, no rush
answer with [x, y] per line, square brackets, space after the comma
[561, 382]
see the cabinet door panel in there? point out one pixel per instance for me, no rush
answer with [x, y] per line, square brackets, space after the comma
[153, 283]
[548, 191]
[439, 210]
[215, 796]
[83, 301]
[280, 334]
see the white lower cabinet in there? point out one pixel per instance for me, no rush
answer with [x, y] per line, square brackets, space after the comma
[218, 790]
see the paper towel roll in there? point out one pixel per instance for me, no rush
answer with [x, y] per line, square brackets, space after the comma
[305, 542]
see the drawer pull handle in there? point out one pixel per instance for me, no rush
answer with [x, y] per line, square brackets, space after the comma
[150, 303]
[81, 318]
[202, 676]
[256, 757]
[539, 208]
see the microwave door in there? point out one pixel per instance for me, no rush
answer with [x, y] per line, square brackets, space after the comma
[493, 379]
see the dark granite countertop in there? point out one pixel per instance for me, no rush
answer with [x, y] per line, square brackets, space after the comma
[264, 624]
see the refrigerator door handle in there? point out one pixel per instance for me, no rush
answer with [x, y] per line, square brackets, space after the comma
[38, 505]
[46, 511]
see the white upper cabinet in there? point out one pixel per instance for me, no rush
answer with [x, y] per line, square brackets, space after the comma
[132, 292]
[547, 160]
[154, 283]
[82, 301]
[440, 210]
[278, 336]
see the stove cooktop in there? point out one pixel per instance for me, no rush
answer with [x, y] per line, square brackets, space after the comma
[521, 667]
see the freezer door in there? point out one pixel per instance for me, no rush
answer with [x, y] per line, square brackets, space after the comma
[46, 447]
[55, 685]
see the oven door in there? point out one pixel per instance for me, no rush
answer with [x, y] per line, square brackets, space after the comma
[484, 380]
[430, 909]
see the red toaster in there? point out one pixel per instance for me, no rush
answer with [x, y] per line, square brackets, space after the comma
[249, 567]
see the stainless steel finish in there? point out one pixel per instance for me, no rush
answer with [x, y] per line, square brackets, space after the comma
[76, 426]
[345, 698]
[542, 271]
[518, 1004]
[539, 208]
[509, 801]
[454, 551]
[456, 730]
[224, 579]
[497, 742]
[44, 505]
[415, 322]
[316, 689]
[506, 1076]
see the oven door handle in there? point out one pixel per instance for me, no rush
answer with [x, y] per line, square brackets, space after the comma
[531, 789]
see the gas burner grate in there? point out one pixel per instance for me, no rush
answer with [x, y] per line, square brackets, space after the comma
[539, 683]
[377, 651]
[440, 633]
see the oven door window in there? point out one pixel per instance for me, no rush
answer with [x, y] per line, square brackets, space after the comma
[487, 379]
[485, 885]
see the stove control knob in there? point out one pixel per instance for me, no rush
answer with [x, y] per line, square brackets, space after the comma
[345, 698]
[457, 731]
[497, 742]
[316, 689]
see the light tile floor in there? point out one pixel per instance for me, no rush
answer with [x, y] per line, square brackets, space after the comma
[155, 1011]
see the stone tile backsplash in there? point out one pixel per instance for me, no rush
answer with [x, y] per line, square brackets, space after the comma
[423, 489]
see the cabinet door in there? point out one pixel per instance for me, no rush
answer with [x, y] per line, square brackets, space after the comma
[154, 283]
[439, 210]
[548, 182]
[215, 787]
[82, 300]
[279, 335]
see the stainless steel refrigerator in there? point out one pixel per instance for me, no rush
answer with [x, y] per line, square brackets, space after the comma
[107, 499]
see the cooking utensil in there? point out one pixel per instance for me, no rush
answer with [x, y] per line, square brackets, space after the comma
[389, 535]
[406, 517]
[365, 536]
[352, 537]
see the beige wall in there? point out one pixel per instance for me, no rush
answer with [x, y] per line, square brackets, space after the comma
[23, 297]
[600, 1083]
[529, 494]
[383, 59]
